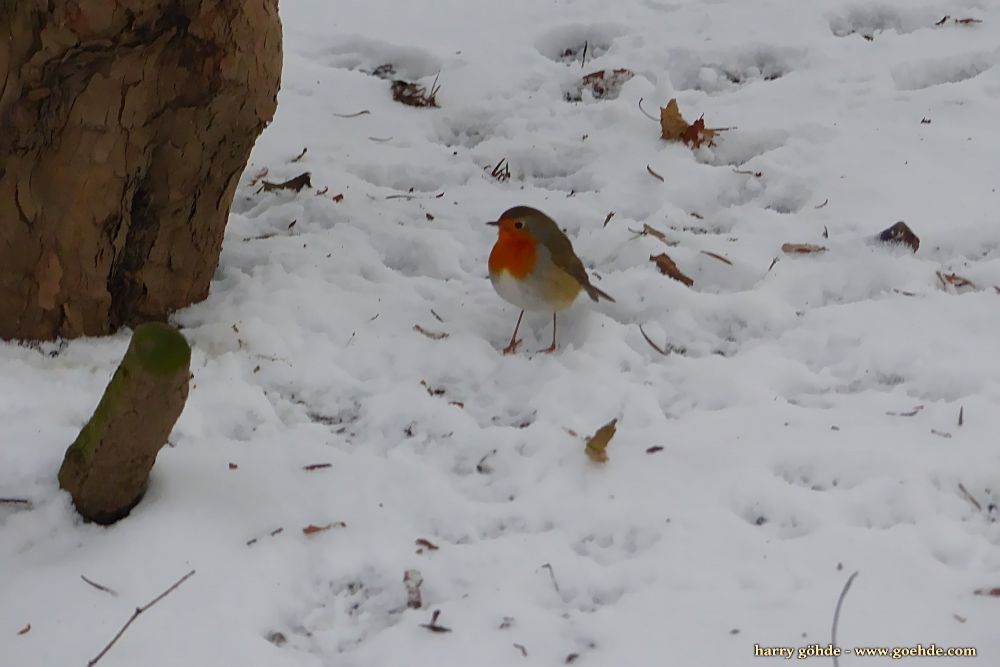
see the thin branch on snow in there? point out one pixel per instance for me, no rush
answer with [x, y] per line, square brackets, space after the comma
[99, 586]
[647, 114]
[138, 611]
[552, 573]
[968, 496]
[652, 344]
[16, 501]
[836, 614]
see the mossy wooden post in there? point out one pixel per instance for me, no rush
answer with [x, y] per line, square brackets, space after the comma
[106, 469]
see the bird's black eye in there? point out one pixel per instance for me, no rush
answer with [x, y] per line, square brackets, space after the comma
[518, 224]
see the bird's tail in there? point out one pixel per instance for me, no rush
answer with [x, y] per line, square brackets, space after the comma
[597, 294]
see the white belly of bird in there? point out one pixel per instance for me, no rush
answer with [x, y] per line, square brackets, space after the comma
[527, 295]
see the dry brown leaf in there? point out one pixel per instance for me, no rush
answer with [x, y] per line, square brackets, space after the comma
[424, 543]
[312, 529]
[955, 280]
[992, 592]
[652, 231]
[415, 95]
[608, 218]
[296, 184]
[673, 127]
[802, 248]
[668, 268]
[25, 630]
[597, 444]
[900, 233]
[602, 84]
[967, 21]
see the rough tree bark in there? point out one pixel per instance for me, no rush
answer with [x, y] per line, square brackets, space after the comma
[124, 128]
[106, 469]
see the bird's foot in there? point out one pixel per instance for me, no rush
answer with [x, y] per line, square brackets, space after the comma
[512, 348]
[548, 350]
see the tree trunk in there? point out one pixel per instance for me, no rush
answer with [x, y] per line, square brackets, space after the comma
[106, 469]
[124, 128]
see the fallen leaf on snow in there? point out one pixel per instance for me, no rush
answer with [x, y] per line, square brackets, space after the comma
[25, 630]
[899, 233]
[668, 268]
[303, 180]
[992, 592]
[802, 248]
[955, 280]
[652, 231]
[602, 84]
[597, 444]
[673, 127]
[425, 544]
[312, 529]
[415, 95]
[965, 21]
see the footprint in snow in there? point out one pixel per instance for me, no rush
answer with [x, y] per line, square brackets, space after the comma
[724, 72]
[955, 69]
[382, 59]
[868, 20]
[566, 44]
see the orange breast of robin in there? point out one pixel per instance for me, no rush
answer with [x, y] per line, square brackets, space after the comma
[514, 253]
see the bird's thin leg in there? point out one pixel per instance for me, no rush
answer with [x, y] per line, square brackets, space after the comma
[552, 348]
[514, 342]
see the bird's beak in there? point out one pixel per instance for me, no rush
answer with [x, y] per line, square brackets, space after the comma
[494, 223]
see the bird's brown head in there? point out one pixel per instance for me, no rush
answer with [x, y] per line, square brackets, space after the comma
[524, 223]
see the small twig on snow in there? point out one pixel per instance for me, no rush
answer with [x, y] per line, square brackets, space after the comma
[99, 586]
[968, 496]
[138, 611]
[836, 614]
[647, 114]
[654, 174]
[352, 115]
[552, 573]
[652, 344]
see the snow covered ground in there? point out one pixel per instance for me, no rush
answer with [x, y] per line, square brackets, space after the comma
[778, 449]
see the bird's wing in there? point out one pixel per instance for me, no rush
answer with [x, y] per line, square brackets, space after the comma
[561, 251]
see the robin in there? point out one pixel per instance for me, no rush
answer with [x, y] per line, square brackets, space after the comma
[533, 266]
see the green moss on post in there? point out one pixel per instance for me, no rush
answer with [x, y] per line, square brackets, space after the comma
[106, 469]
